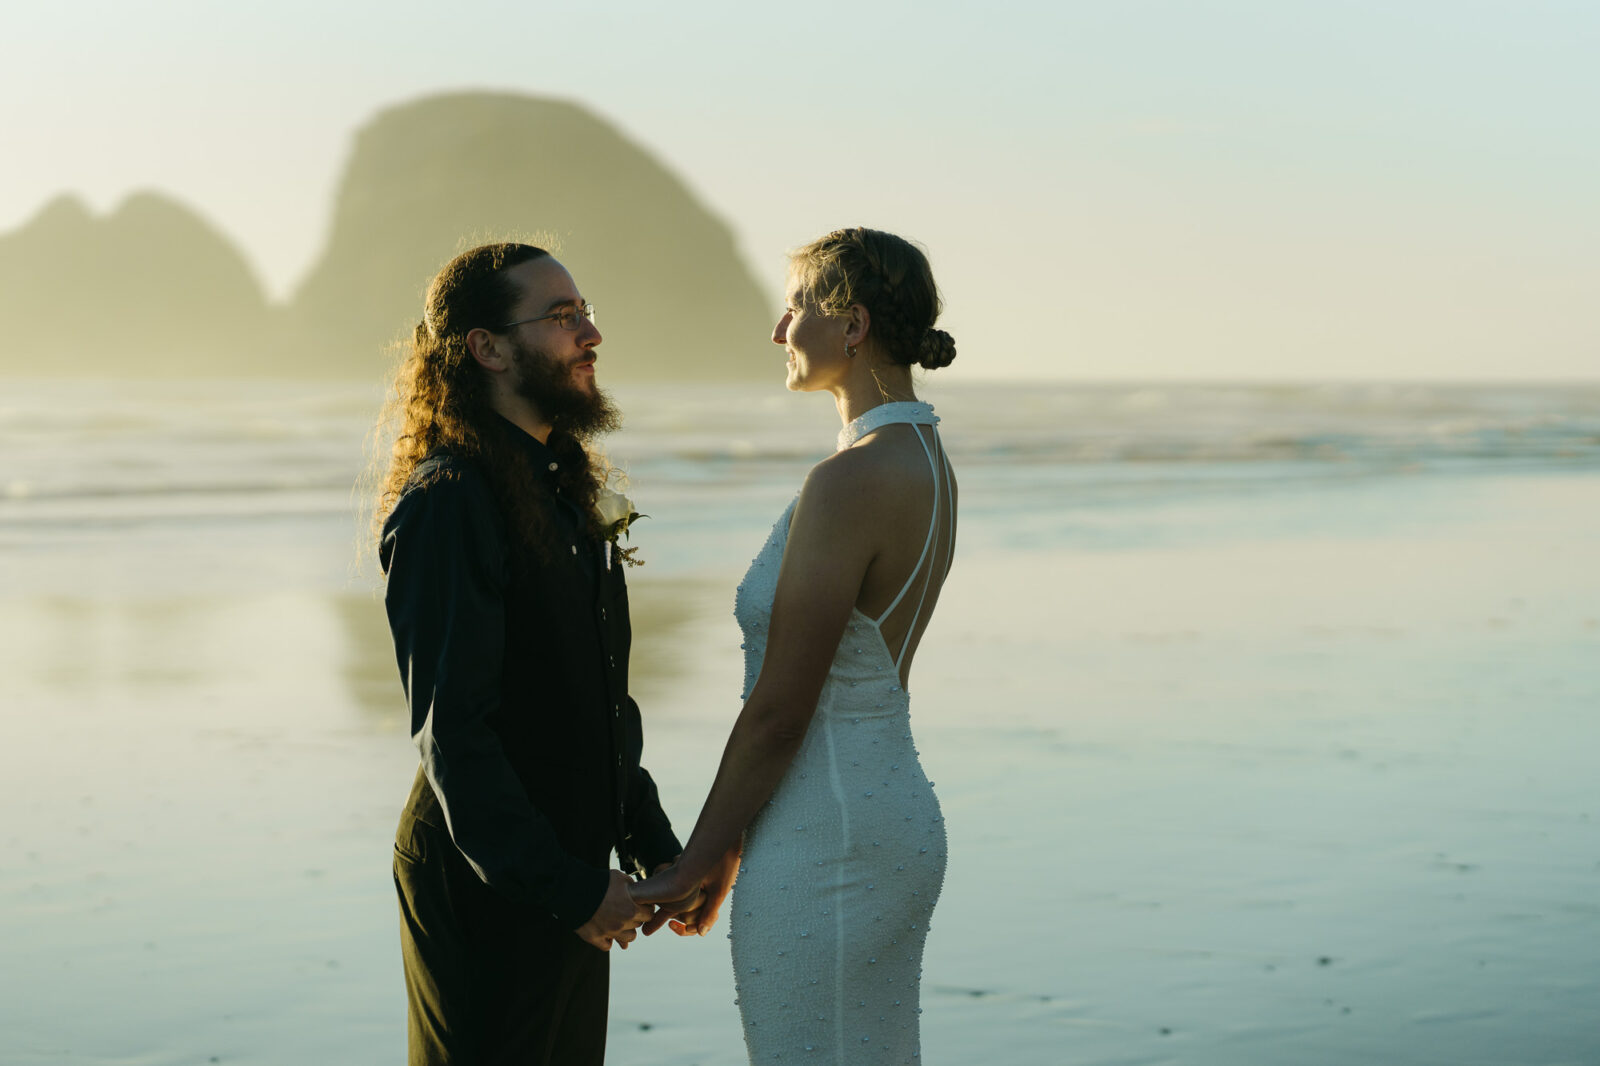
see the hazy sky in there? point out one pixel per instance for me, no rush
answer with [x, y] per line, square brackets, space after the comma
[1122, 189]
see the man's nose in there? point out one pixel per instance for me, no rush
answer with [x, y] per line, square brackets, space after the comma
[780, 332]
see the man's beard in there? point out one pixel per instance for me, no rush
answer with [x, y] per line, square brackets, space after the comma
[548, 384]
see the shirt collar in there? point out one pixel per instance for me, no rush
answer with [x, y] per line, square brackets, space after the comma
[539, 454]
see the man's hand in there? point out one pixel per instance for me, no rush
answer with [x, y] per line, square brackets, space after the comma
[618, 917]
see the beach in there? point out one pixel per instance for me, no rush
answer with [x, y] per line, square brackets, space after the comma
[1263, 721]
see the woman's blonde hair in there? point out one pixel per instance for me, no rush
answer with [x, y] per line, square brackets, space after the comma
[887, 275]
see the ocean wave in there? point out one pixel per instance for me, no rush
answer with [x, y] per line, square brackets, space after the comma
[231, 440]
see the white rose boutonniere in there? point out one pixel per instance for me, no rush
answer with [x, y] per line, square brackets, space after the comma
[615, 512]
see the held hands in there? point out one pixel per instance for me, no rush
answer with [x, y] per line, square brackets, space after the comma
[663, 879]
[690, 903]
[671, 893]
[618, 917]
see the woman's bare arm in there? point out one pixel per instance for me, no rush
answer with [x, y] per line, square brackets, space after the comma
[833, 539]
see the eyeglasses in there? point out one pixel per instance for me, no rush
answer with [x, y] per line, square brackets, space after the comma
[567, 318]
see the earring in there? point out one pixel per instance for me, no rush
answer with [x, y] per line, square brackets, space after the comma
[850, 351]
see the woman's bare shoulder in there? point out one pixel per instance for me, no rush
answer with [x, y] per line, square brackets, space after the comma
[886, 465]
[854, 475]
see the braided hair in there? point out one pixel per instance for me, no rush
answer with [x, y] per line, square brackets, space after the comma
[887, 275]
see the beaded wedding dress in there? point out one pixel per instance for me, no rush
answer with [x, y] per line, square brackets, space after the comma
[842, 867]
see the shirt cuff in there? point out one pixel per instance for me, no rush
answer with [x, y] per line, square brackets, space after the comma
[578, 892]
[654, 844]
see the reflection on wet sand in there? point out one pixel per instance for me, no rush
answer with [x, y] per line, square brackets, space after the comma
[371, 678]
[670, 616]
[80, 644]
[76, 649]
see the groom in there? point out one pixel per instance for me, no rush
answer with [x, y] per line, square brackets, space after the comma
[510, 624]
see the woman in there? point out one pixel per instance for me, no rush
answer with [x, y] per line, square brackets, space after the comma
[843, 846]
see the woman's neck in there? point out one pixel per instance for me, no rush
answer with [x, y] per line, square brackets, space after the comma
[872, 388]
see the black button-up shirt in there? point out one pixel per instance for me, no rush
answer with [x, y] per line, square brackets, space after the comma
[517, 680]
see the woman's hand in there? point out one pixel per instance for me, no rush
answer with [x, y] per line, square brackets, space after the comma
[670, 890]
[714, 889]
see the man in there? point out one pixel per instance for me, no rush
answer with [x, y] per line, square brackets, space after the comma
[511, 629]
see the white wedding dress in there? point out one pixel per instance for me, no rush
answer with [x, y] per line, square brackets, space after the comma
[842, 867]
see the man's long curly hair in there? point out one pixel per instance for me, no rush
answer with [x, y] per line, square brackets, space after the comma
[441, 402]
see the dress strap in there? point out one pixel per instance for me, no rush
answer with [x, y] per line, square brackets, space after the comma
[917, 415]
[941, 486]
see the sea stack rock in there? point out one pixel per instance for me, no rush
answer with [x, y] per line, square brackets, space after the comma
[149, 290]
[429, 179]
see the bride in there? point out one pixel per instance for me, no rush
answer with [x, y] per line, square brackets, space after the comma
[820, 804]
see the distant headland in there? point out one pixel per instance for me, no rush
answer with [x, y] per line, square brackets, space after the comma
[153, 290]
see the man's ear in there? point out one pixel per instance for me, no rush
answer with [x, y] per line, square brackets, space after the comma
[858, 322]
[487, 349]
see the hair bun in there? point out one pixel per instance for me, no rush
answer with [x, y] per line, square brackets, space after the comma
[937, 349]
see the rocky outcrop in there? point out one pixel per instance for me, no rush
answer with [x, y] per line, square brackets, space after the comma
[428, 179]
[150, 289]
[153, 289]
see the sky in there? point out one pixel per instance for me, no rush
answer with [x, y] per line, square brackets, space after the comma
[1273, 190]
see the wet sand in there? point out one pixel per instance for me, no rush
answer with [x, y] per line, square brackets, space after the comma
[1309, 780]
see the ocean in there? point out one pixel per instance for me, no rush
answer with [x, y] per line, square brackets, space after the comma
[1264, 719]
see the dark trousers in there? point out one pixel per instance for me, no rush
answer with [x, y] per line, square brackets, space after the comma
[487, 982]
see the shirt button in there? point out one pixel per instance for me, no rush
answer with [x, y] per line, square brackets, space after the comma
[555, 466]
[574, 549]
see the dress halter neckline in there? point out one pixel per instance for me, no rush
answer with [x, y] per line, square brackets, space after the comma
[913, 411]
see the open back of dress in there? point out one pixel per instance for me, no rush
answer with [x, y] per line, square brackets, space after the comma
[904, 633]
